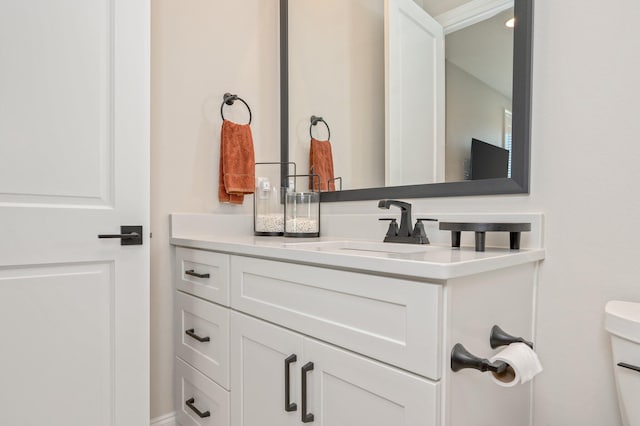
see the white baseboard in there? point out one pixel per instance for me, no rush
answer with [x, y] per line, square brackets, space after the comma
[165, 420]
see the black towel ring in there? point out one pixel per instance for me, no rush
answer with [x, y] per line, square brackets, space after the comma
[229, 99]
[315, 120]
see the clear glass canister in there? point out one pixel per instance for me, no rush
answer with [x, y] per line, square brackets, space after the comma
[302, 214]
[268, 210]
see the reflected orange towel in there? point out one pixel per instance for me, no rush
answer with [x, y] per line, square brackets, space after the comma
[321, 163]
[237, 163]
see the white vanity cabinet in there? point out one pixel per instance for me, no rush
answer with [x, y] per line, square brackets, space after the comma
[293, 341]
[389, 319]
[348, 389]
[325, 385]
[201, 317]
[263, 357]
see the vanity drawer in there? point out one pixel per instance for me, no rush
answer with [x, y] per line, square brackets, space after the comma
[204, 274]
[393, 320]
[197, 396]
[202, 336]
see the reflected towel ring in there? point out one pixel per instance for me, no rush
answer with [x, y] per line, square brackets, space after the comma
[314, 120]
[229, 99]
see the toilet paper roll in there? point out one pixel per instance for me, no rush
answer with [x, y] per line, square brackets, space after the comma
[523, 365]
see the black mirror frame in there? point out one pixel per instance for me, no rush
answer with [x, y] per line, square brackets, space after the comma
[521, 126]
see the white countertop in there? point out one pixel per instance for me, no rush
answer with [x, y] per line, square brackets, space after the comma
[434, 262]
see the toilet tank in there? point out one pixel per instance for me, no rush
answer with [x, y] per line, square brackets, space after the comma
[622, 321]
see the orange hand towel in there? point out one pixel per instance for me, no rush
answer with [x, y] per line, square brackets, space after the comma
[237, 163]
[321, 163]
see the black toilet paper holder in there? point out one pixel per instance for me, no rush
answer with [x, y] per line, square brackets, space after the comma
[462, 358]
[499, 337]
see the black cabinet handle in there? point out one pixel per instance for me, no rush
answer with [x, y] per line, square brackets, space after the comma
[200, 414]
[306, 417]
[191, 333]
[629, 366]
[195, 274]
[288, 406]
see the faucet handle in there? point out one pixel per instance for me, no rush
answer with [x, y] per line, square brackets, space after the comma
[419, 232]
[393, 226]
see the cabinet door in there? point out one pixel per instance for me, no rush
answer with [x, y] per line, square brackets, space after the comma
[258, 354]
[347, 389]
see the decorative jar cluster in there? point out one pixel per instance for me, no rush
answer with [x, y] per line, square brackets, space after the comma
[279, 211]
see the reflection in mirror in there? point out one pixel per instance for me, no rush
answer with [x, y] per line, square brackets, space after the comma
[336, 71]
[479, 72]
[343, 67]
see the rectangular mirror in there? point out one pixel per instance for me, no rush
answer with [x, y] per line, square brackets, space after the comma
[405, 87]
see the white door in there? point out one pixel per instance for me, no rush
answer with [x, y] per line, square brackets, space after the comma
[74, 163]
[347, 389]
[414, 94]
[261, 355]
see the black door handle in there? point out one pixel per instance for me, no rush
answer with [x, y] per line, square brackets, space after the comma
[200, 414]
[129, 235]
[191, 333]
[123, 236]
[306, 417]
[288, 406]
[195, 274]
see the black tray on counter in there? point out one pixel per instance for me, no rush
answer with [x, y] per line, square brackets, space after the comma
[480, 229]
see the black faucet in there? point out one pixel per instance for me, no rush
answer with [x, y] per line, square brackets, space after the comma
[404, 234]
[405, 216]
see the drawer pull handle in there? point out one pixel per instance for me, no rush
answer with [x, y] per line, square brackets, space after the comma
[200, 414]
[191, 333]
[306, 417]
[288, 406]
[629, 366]
[195, 274]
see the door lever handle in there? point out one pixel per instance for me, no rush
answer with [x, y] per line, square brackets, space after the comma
[129, 235]
[123, 236]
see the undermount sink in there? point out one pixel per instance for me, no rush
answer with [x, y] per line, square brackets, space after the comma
[366, 246]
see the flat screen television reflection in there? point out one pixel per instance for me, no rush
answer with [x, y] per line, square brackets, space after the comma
[488, 161]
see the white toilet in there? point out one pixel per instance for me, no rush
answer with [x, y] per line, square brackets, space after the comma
[623, 322]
